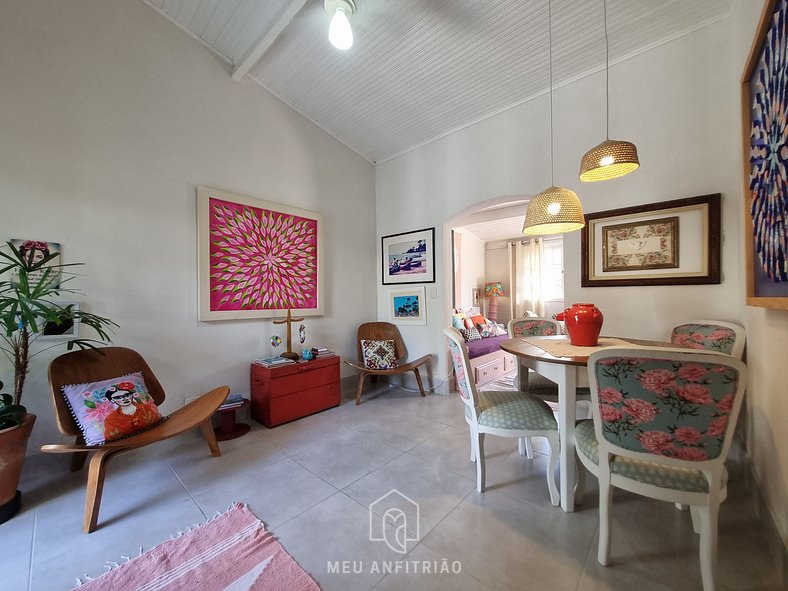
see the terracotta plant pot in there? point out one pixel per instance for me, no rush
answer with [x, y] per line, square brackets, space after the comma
[13, 445]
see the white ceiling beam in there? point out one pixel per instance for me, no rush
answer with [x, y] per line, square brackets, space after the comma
[267, 40]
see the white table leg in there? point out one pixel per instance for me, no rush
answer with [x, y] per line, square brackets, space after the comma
[567, 386]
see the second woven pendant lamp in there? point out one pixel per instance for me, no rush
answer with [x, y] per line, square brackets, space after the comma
[555, 210]
[611, 158]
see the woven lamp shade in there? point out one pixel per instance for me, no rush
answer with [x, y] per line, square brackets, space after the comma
[554, 211]
[609, 160]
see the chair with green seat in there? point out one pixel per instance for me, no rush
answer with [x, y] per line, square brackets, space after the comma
[530, 381]
[663, 420]
[502, 413]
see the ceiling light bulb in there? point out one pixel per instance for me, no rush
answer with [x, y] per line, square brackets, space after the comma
[607, 161]
[339, 32]
[553, 208]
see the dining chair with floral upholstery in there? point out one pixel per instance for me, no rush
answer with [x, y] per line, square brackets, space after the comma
[501, 413]
[532, 382]
[663, 421]
[712, 335]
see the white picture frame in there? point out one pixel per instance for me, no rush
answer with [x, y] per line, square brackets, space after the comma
[61, 333]
[408, 305]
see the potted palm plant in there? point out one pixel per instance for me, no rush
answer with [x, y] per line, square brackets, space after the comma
[32, 280]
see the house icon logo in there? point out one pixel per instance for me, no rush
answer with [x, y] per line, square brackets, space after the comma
[394, 519]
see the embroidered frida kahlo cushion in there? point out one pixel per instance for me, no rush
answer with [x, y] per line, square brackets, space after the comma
[112, 409]
[378, 354]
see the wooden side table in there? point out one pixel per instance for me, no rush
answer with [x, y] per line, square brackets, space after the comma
[288, 392]
[228, 428]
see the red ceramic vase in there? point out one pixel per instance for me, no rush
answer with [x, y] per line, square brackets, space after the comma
[583, 323]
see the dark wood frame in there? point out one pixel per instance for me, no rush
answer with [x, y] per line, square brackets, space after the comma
[406, 279]
[713, 225]
[774, 301]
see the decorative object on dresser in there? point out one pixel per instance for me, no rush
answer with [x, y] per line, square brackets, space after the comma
[256, 258]
[289, 354]
[93, 365]
[493, 290]
[383, 332]
[287, 391]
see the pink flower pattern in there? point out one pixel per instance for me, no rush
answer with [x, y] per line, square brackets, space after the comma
[704, 336]
[664, 406]
[530, 328]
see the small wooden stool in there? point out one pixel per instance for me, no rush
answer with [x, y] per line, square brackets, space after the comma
[229, 429]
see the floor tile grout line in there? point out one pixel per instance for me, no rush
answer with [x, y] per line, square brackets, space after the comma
[33, 535]
[186, 488]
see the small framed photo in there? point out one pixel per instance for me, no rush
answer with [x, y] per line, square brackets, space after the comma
[475, 296]
[409, 257]
[408, 306]
[66, 330]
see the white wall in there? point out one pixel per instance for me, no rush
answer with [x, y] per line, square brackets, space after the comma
[679, 103]
[109, 119]
[471, 269]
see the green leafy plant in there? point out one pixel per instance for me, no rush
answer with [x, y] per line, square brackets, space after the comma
[10, 414]
[32, 279]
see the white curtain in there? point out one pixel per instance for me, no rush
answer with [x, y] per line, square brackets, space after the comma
[525, 276]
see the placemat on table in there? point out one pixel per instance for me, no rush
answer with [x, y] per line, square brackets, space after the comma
[564, 348]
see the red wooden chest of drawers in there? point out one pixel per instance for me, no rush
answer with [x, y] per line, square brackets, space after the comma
[289, 392]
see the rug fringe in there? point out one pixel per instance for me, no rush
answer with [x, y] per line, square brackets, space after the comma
[111, 565]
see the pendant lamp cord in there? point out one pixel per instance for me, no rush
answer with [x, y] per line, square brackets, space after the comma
[607, 75]
[550, 63]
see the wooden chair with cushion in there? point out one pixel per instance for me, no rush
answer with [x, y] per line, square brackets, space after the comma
[385, 331]
[712, 335]
[93, 365]
[501, 413]
[663, 421]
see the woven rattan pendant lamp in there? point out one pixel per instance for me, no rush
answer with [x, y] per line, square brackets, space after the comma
[611, 158]
[556, 209]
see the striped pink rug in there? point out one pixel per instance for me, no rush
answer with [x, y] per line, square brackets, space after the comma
[232, 552]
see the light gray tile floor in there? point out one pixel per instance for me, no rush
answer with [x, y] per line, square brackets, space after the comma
[312, 483]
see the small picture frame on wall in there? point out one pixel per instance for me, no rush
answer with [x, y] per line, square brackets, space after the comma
[65, 330]
[409, 257]
[475, 297]
[407, 306]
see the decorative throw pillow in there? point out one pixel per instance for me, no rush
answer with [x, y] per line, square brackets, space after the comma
[378, 354]
[112, 409]
[458, 321]
[470, 334]
[477, 320]
[487, 330]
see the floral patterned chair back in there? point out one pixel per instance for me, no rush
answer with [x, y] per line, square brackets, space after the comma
[533, 327]
[712, 335]
[679, 406]
[463, 374]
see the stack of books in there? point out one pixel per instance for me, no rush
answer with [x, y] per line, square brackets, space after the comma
[233, 401]
[321, 352]
[274, 361]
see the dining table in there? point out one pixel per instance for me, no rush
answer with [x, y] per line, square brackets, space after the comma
[556, 359]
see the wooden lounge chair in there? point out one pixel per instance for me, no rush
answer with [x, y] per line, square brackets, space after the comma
[385, 331]
[88, 366]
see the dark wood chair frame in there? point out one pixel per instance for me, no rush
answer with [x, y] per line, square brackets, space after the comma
[91, 365]
[385, 331]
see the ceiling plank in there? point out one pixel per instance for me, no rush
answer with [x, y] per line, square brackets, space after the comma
[267, 39]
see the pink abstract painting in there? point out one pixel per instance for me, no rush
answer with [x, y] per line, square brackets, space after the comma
[261, 259]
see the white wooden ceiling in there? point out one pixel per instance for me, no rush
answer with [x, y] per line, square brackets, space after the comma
[421, 69]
